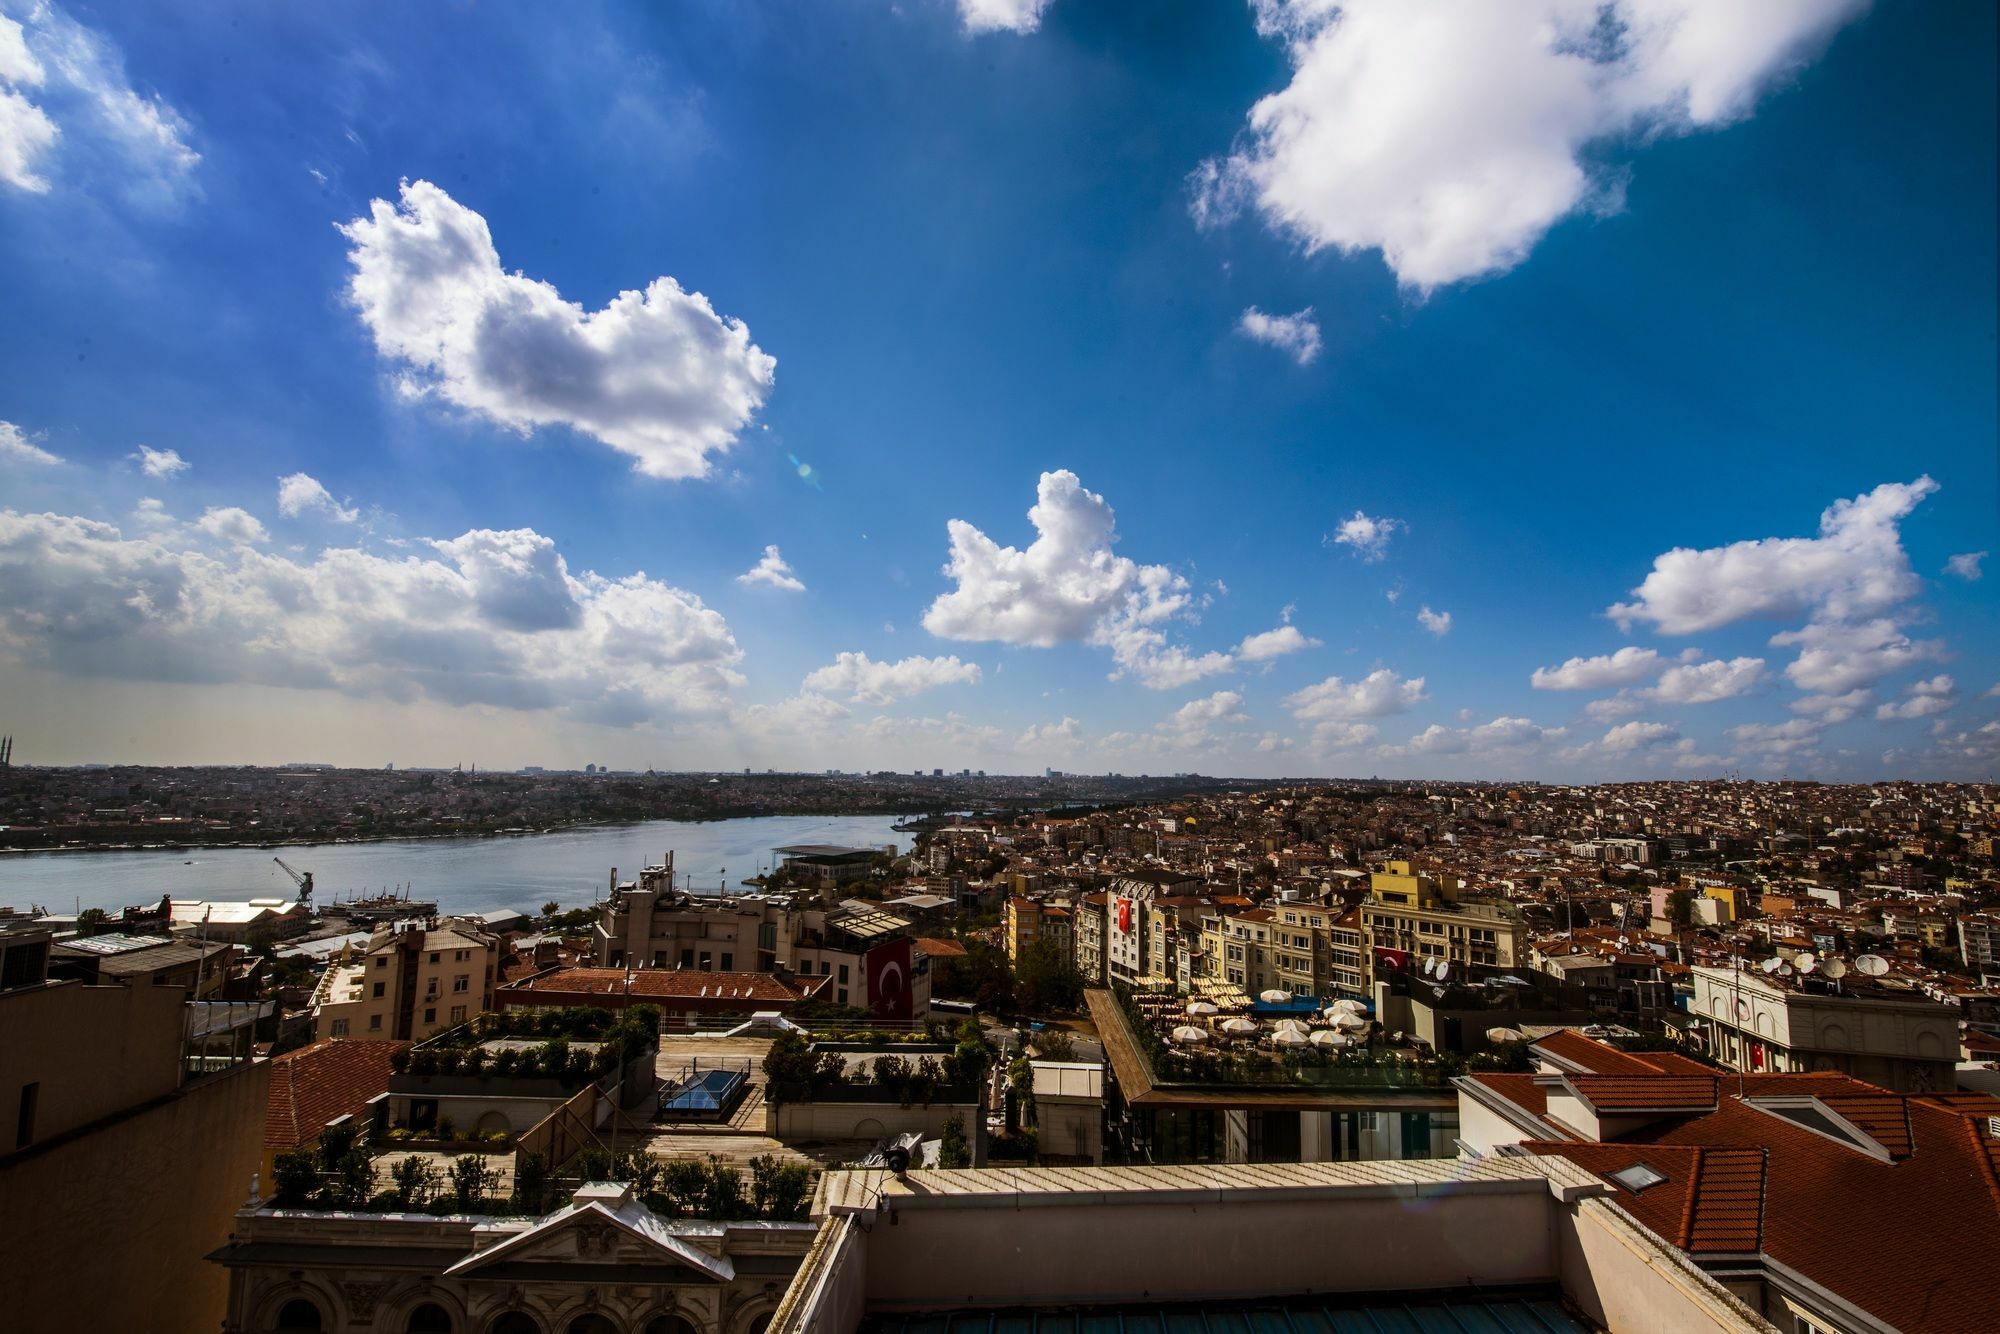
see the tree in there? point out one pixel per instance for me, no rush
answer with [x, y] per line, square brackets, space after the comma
[1680, 907]
[416, 1182]
[551, 908]
[91, 921]
[953, 1151]
[779, 1190]
[788, 1064]
[1055, 1044]
[472, 1181]
[1045, 978]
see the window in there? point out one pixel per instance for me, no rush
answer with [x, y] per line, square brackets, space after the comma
[431, 1015]
[339, 1028]
[843, 975]
[671, 1324]
[1637, 1177]
[515, 1322]
[24, 1124]
[687, 958]
[729, 963]
[436, 955]
[299, 1316]
[381, 961]
[592, 1323]
[707, 962]
[375, 1023]
[463, 982]
[430, 1318]
[378, 990]
[458, 1014]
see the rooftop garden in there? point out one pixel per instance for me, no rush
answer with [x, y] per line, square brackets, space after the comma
[797, 1070]
[570, 1046]
[1321, 1051]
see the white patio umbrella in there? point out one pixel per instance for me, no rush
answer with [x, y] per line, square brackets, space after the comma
[1290, 1037]
[1347, 1006]
[1326, 1037]
[1505, 1035]
[1290, 1026]
[1190, 1036]
[1200, 1008]
[1274, 996]
[1352, 1023]
[1238, 1028]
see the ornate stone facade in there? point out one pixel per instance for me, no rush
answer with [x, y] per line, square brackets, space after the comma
[603, 1264]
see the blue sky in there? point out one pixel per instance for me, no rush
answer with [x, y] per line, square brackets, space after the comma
[484, 354]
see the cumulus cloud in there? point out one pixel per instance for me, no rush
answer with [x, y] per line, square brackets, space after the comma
[1451, 138]
[1274, 644]
[232, 525]
[1330, 706]
[771, 569]
[1832, 708]
[1707, 682]
[1836, 656]
[867, 681]
[69, 110]
[1924, 698]
[299, 494]
[161, 463]
[1224, 706]
[16, 447]
[1501, 734]
[1068, 586]
[1367, 537]
[1020, 16]
[1856, 567]
[1437, 622]
[1637, 736]
[491, 618]
[1050, 738]
[1296, 335]
[1965, 565]
[1793, 737]
[1623, 668]
[655, 374]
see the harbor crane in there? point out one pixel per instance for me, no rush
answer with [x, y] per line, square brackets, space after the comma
[303, 879]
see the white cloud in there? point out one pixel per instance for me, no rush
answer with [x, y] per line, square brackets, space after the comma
[299, 493]
[1624, 704]
[1637, 736]
[1340, 736]
[1856, 567]
[771, 569]
[496, 619]
[1296, 335]
[68, 109]
[1836, 657]
[232, 525]
[1368, 537]
[1501, 734]
[1622, 668]
[1965, 565]
[867, 681]
[1021, 16]
[1327, 705]
[1452, 137]
[1224, 706]
[1274, 644]
[1936, 695]
[1707, 682]
[1437, 622]
[161, 463]
[1792, 737]
[655, 374]
[15, 447]
[1068, 586]
[1271, 743]
[1832, 708]
[1048, 738]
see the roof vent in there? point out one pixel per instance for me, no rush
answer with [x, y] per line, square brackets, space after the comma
[1638, 1177]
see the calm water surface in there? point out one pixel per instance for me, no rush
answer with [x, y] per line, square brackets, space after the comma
[461, 875]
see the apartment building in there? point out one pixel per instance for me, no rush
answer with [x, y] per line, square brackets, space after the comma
[1409, 917]
[1088, 931]
[411, 980]
[1031, 921]
[1753, 1021]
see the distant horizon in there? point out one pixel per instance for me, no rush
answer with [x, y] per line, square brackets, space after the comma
[1233, 387]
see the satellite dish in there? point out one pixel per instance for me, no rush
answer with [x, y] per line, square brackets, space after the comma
[1772, 965]
[1443, 969]
[1806, 962]
[1834, 968]
[1430, 966]
[1872, 965]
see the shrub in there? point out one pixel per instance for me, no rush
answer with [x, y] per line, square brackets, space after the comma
[779, 1190]
[416, 1183]
[399, 1060]
[724, 1197]
[505, 1062]
[531, 1181]
[471, 1181]
[294, 1177]
[595, 1164]
[423, 1062]
[953, 1151]
[684, 1181]
[445, 1128]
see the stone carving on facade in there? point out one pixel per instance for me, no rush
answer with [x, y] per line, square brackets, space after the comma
[362, 1296]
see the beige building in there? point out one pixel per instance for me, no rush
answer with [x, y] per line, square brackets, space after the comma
[1893, 1039]
[134, 1125]
[1410, 916]
[412, 980]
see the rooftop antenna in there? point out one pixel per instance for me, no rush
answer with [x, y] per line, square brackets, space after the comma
[1833, 970]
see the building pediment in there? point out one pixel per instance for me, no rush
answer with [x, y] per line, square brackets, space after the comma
[603, 1229]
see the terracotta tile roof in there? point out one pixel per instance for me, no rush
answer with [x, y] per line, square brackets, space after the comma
[1883, 1117]
[312, 1085]
[1712, 1201]
[1643, 1093]
[940, 949]
[1566, 1046]
[1521, 1090]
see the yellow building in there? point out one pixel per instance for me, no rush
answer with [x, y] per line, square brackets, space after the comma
[411, 981]
[1410, 916]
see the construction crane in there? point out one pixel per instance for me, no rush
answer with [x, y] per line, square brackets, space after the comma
[303, 879]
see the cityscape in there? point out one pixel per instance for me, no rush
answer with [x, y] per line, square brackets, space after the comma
[1000, 667]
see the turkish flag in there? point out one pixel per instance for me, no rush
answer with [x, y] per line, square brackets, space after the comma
[1124, 915]
[1396, 960]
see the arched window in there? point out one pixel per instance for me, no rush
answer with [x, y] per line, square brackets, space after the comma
[515, 1322]
[430, 1318]
[299, 1316]
[760, 1324]
[591, 1323]
[670, 1324]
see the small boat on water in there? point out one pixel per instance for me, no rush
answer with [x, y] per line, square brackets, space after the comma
[388, 906]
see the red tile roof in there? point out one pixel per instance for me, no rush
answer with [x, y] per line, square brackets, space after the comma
[677, 983]
[1566, 1046]
[940, 949]
[313, 1085]
[1647, 1093]
[1710, 1203]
